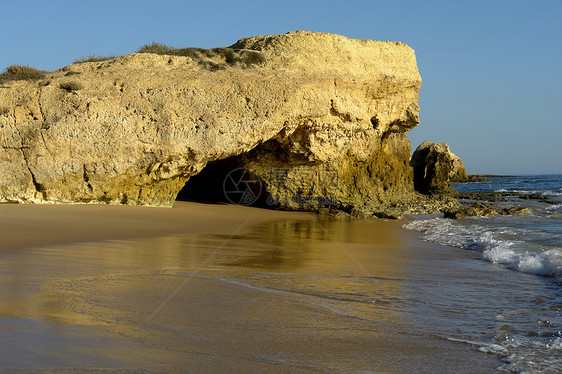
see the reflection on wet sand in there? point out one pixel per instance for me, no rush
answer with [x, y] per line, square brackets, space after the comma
[293, 246]
[312, 294]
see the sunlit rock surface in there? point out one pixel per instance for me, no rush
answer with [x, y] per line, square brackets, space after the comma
[134, 129]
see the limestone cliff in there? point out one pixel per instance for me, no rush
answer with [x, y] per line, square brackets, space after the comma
[134, 129]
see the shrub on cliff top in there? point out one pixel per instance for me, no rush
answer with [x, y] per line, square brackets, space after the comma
[93, 58]
[229, 55]
[71, 86]
[252, 58]
[21, 73]
[158, 48]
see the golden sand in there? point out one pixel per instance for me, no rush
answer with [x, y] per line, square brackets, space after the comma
[208, 288]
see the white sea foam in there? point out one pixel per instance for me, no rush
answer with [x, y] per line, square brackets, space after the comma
[548, 262]
[513, 254]
[529, 355]
[523, 354]
[553, 208]
[551, 193]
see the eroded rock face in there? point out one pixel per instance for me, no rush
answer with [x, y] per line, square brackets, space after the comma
[435, 168]
[134, 129]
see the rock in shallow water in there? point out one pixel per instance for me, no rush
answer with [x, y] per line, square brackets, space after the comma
[435, 168]
[484, 210]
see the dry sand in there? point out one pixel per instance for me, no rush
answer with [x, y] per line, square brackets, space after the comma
[212, 288]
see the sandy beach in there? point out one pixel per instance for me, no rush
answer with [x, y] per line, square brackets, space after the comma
[218, 288]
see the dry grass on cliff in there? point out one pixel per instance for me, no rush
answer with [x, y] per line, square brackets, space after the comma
[71, 86]
[209, 57]
[93, 58]
[21, 73]
[158, 48]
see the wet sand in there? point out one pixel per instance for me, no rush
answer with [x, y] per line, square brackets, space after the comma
[218, 288]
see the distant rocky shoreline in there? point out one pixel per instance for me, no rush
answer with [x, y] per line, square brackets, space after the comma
[485, 204]
[499, 196]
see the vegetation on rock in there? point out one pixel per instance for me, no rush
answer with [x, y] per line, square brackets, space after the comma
[214, 59]
[71, 86]
[93, 58]
[21, 73]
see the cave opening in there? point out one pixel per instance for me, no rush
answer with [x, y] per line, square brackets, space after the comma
[225, 182]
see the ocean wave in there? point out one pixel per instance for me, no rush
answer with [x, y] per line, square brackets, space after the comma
[547, 263]
[522, 354]
[512, 254]
[551, 193]
[553, 208]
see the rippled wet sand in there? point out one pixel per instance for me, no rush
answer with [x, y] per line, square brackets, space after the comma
[217, 288]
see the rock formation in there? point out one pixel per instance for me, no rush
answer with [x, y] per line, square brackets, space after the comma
[484, 210]
[318, 115]
[435, 168]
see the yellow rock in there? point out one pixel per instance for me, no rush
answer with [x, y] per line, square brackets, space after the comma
[135, 128]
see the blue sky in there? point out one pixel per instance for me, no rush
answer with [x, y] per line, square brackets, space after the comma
[491, 70]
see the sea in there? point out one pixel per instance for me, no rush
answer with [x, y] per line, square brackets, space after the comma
[527, 331]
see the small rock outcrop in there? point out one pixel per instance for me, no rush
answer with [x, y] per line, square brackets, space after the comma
[317, 116]
[484, 210]
[435, 168]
